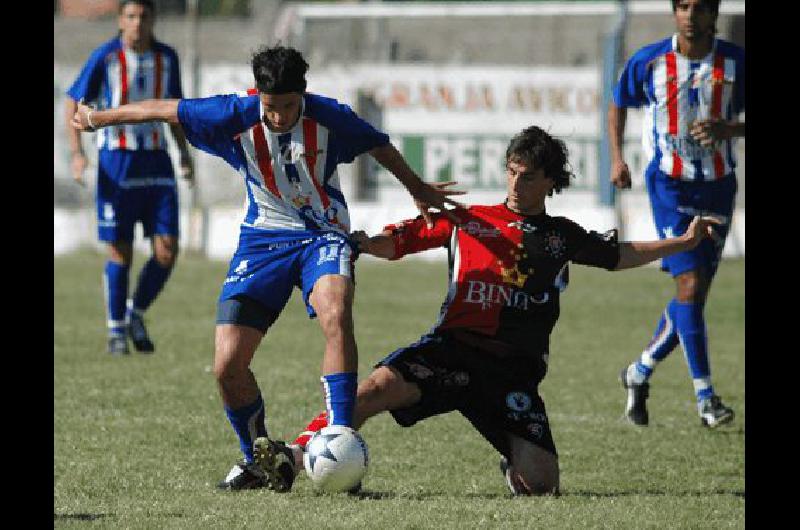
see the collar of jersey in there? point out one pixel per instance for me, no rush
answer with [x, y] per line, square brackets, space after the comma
[709, 56]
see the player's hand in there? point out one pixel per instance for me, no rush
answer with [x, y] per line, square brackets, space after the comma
[620, 174]
[80, 120]
[435, 195]
[361, 239]
[186, 169]
[708, 132]
[78, 166]
[702, 226]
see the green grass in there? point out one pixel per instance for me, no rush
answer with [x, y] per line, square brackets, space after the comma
[141, 441]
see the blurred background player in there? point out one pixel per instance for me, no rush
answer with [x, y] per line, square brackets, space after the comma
[489, 351]
[135, 178]
[692, 85]
[286, 143]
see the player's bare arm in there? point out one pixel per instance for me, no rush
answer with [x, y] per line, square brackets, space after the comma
[635, 253]
[709, 132]
[620, 172]
[88, 119]
[425, 195]
[78, 160]
[186, 166]
[380, 246]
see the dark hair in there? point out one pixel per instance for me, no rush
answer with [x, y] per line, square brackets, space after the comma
[538, 150]
[144, 3]
[711, 4]
[279, 70]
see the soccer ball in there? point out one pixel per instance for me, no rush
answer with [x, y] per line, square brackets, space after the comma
[336, 458]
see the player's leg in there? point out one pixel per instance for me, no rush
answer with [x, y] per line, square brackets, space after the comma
[258, 285]
[241, 325]
[160, 221]
[115, 282]
[328, 290]
[115, 229]
[385, 389]
[664, 197]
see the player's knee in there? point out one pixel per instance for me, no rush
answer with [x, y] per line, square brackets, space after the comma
[691, 287]
[166, 255]
[534, 483]
[336, 317]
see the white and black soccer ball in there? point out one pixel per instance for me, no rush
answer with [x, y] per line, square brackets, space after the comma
[336, 458]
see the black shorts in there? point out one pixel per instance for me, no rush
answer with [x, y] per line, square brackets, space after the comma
[497, 395]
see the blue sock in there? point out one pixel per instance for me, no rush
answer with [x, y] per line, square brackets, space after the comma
[248, 422]
[691, 328]
[664, 340]
[151, 280]
[115, 281]
[340, 397]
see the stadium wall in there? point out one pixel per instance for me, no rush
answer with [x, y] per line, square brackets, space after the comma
[451, 122]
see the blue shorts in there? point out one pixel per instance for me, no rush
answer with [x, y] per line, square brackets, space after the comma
[135, 187]
[268, 264]
[674, 203]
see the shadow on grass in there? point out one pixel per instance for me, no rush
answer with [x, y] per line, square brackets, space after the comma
[652, 493]
[79, 516]
[421, 496]
[96, 516]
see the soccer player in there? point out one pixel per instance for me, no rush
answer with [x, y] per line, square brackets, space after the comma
[135, 178]
[286, 144]
[489, 351]
[692, 86]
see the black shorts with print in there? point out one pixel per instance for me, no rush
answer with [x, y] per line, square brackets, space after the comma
[497, 395]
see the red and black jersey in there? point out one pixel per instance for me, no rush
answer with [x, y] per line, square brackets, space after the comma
[506, 270]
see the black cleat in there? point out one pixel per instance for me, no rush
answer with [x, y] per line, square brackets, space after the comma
[636, 406]
[118, 346]
[243, 477]
[137, 331]
[714, 413]
[276, 461]
[355, 489]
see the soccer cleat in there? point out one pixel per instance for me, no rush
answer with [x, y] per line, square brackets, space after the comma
[138, 333]
[636, 406]
[243, 476]
[276, 461]
[713, 412]
[118, 346]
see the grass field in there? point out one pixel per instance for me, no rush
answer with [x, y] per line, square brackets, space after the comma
[140, 442]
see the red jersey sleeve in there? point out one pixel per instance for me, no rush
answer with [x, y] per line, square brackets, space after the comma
[413, 235]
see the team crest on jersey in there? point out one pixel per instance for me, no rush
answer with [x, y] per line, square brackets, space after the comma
[513, 276]
[301, 200]
[554, 244]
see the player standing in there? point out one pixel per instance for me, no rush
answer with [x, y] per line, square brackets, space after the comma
[692, 87]
[489, 351]
[135, 179]
[286, 143]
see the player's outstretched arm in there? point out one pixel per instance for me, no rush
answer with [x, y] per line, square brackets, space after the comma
[620, 172]
[425, 196]
[636, 253]
[88, 119]
[381, 246]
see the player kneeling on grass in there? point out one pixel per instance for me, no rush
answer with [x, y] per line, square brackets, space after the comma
[489, 351]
